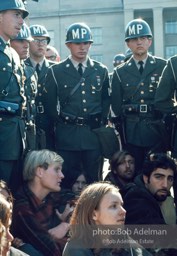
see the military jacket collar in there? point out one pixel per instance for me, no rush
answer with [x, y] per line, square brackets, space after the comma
[131, 67]
[44, 68]
[69, 68]
[75, 63]
[5, 47]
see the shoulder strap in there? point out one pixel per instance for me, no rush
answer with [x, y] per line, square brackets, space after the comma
[173, 70]
[58, 102]
[76, 87]
[134, 93]
[6, 88]
[137, 88]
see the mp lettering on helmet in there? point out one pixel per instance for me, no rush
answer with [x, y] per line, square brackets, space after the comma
[79, 33]
[18, 3]
[135, 29]
[37, 30]
[24, 33]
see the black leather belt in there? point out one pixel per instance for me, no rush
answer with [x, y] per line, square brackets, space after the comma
[76, 121]
[143, 108]
[137, 108]
[40, 109]
[8, 114]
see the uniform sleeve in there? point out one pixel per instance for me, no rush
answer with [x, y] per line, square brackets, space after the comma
[105, 96]
[164, 97]
[116, 93]
[50, 98]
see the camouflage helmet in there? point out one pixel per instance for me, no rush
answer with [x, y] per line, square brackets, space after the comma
[39, 30]
[25, 33]
[13, 5]
[78, 33]
[137, 28]
[118, 59]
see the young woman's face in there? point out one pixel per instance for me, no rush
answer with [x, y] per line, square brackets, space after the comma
[79, 184]
[110, 211]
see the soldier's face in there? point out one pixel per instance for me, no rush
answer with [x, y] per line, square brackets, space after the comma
[21, 47]
[11, 22]
[38, 46]
[79, 51]
[139, 46]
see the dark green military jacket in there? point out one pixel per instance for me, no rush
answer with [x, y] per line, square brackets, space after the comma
[44, 140]
[136, 92]
[12, 127]
[30, 113]
[30, 91]
[91, 98]
[165, 100]
[40, 84]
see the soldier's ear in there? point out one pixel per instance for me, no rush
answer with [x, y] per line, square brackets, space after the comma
[68, 45]
[150, 41]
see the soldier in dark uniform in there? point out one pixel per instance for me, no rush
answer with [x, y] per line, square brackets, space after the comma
[134, 85]
[165, 101]
[128, 54]
[77, 99]
[12, 98]
[21, 45]
[118, 59]
[45, 134]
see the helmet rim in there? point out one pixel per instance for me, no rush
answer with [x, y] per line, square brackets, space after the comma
[78, 33]
[137, 28]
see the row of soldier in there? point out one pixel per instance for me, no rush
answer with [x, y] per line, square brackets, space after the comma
[57, 106]
[20, 100]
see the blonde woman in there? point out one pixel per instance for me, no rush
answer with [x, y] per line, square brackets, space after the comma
[100, 206]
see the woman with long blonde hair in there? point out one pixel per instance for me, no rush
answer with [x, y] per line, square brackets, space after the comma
[99, 209]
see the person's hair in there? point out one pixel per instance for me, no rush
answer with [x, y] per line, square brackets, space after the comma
[52, 48]
[3, 186]
[5, 216]
[118, 158]
[39, 158]
[88, 201]
[2, 236]
[158, 160]
[69, 181]
[5, 211]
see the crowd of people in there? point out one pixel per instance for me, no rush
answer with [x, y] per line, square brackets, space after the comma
[52, 196]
